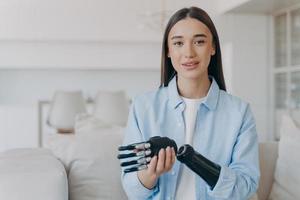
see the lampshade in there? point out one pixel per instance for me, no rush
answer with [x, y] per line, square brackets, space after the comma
[112, 107]
[64, 108]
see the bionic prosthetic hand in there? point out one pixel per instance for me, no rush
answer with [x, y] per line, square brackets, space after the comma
[144, 151]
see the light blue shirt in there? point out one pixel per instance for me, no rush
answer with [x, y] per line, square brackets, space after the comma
[225, 133]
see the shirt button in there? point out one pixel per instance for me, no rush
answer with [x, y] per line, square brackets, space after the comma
[173, 173]
[179, 124]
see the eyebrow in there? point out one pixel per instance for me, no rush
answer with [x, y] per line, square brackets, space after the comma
[180, 37]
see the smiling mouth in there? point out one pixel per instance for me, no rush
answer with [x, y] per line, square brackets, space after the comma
[190, 65]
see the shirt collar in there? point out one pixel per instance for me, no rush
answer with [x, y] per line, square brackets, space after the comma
[174, 97]
[211, 98]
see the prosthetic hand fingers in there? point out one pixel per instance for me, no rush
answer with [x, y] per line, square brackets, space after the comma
[136, 146]
[141, 154]
[142, 160]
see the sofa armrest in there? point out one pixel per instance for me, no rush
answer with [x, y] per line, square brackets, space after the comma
[32, 174]
[268, 153]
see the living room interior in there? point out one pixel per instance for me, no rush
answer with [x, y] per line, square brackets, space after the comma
[75, 66]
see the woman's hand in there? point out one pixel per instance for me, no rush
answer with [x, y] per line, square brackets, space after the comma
[157, 166]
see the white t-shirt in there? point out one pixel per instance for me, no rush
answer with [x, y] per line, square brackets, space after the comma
[186, 179]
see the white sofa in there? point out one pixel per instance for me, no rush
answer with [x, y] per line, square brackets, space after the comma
[268, 153]
[37, 174]
[32, 174]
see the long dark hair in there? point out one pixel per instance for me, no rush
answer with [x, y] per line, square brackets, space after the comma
[215, 65]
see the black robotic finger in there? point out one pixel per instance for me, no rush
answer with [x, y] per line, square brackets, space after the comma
[141, 146]
[135, 154]
[143, 160]
[134, 169]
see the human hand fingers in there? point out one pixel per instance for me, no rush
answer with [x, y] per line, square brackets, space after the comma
[173, 156]
[152, 165]
[168, 159]
[161, 162]
[148, 176]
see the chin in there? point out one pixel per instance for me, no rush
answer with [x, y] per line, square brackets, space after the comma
[192, 74]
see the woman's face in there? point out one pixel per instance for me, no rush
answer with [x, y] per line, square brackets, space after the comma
[190, 47]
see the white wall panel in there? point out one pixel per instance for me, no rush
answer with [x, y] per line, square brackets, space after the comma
[85, 19]
[246, 56]
[79, 55]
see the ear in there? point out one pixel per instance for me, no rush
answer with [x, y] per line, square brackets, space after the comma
[213, 52]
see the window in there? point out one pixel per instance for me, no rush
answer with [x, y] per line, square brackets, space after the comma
[286, 71]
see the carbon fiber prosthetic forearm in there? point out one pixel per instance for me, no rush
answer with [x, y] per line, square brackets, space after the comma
[138, 155]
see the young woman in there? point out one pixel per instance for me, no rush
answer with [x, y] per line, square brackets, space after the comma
[192, 107]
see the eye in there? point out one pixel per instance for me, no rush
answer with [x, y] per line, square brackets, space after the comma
[178, 43]
[199, 42]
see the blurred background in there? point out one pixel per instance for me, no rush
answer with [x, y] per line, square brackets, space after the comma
[97, 45]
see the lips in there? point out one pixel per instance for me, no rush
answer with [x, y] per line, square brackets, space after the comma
[190, 65]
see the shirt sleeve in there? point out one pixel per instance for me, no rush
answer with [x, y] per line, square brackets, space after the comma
[131, 184]
[240, 179]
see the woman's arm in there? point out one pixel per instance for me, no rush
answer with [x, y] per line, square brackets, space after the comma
[131, 184]
[240, 179]
[144, 184]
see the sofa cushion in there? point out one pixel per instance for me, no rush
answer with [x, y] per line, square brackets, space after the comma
[287, 175]
[61, 146]
[86, 123]
[268, 154]
[94, 170]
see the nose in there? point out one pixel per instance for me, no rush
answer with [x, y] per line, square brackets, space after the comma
[189, 51]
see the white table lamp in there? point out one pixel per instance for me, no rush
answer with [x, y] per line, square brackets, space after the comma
[64, 108]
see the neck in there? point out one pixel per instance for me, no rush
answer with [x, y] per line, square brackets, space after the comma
[193, 88]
